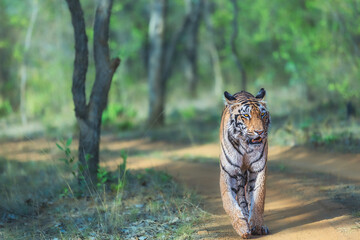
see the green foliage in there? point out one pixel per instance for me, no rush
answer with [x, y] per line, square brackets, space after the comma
[5, 107]
[304, 52]
[68, 159]
[71, 165]
[121, 177]
[159, 176]
[118, 182]
[119, 115]
[102, 177]
[188, 113]
[153, 202]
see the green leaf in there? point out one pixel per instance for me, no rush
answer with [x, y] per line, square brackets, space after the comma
[123, 155]
[59, 147]
[69, 141]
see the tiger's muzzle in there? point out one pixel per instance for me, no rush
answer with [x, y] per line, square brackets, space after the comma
[256, 139]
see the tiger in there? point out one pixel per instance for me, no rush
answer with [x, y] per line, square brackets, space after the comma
[243, 161]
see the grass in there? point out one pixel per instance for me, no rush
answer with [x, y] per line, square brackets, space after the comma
[356, 214]
[27, 186]
[316, 128]
[150, 205]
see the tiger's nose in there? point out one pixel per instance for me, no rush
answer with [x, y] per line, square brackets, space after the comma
[259, 132]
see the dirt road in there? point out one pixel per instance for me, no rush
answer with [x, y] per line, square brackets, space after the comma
[301, 186]
[310, 195]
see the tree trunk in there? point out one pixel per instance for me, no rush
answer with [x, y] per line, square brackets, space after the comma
[160, 60]
[214, 55]
[156, 63]
[350, 110]
[194, 8]
[89, 115]
[234, 48]
[89, 141]
[23, 68]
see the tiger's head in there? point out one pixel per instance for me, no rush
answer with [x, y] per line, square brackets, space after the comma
[249, 117]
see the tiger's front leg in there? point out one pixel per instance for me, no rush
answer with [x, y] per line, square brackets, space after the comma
[230, 187]
[256, 192]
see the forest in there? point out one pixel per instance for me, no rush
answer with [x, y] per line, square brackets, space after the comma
[110, 113]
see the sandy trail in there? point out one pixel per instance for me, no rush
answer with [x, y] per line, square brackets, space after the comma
[294, 208]
[297, 204]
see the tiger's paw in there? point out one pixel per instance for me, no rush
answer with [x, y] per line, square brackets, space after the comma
[260, 230]
[242, 228]
[246, 235]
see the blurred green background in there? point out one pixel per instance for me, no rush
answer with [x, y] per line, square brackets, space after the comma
[305, 53]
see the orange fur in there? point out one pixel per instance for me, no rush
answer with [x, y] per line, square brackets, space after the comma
[243, 137]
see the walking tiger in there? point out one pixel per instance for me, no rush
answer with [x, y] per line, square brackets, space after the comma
[243, 158]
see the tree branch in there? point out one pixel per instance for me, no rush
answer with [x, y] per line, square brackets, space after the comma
[105, 67]
[81, 58]
[172, 45]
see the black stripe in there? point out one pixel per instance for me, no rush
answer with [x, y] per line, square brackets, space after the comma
[227, 172]
[241, 176]
[258, 170]
[236, 190]
[261, 155]
[244, 220]
[252, 180]
[234, 143]
[235, 177]
[227, 157]
[236, 120]
[243, 203]
[253, 188]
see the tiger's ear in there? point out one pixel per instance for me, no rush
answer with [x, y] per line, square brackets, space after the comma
[229, 99]
[261, 94]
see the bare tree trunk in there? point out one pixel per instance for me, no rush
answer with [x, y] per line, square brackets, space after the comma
[194, 9]
[23, 68]
[218, 78]
[89, 115]
[160, 60]
[156, 63]
[233, 45]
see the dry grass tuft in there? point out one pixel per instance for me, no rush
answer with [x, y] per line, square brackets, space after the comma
[42, 201]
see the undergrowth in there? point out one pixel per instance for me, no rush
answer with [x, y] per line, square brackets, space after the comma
[340, 136]
[125, 204]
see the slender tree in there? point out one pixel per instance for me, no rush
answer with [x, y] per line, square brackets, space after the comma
[161, 55]
[214, 54]
[233, 45]
[194, 11]
[156, 62]
[89, 113]
[23, 68]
